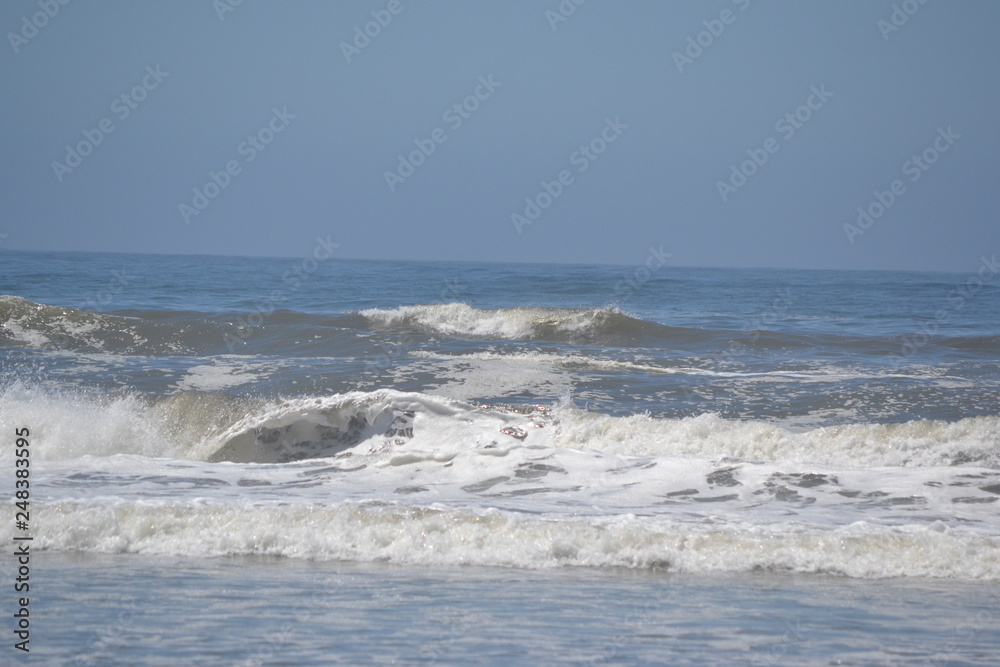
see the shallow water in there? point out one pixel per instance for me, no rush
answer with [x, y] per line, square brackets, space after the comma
[121, 610]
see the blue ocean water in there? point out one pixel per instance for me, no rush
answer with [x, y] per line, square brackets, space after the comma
[805, 453]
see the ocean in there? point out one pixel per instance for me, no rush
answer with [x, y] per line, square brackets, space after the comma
[315, 460]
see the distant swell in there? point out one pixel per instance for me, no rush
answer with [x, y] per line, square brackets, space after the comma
[32, 325]
[459, 319]
[23, 323]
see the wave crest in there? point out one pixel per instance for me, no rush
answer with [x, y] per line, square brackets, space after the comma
[523, 322]
[212, 426]
[432, 536]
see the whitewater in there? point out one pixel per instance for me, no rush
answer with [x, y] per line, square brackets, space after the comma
[741, 429]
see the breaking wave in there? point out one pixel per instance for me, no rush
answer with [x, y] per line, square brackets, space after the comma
[459, 319]
[415, 478]
[213, 426]
[423, 535]
[32, 325]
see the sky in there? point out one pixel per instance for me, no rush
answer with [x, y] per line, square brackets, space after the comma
[848, 134]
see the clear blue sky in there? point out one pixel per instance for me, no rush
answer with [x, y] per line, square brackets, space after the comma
[198, 82]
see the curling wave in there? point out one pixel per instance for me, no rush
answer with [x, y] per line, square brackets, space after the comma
[213, 426]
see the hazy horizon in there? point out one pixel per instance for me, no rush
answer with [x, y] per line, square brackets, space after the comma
[500, 262]
[731, 133]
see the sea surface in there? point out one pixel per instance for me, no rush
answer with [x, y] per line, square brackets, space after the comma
[324, 461]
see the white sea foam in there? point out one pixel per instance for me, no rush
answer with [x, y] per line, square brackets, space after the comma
[66, 423]
[38, 325]
[579, 361]
[415, 478]
[440, 422]
[459, 319]
[467, 377]
[75, 423]
[433, 535]
[914, 443]
[218, 375]
[559, 360]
